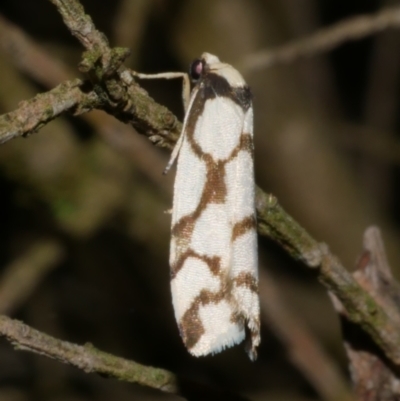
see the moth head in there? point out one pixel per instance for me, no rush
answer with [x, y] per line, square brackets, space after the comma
[201, 65]
[208, 63]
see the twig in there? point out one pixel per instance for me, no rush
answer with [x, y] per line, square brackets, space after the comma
[354, 28]
[81, 26]
[127, 101]
[374, 379]
[87, 357]
[34, 113]
[111, 82]
[360, 306]
[92, 360]
[21, 277]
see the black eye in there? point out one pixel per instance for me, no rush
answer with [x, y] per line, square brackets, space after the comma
[196, 68]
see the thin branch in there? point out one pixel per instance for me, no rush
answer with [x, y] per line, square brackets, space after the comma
[87, 357]
[354, 28]
[32, 114]
[373, 377]
[361, 308]
[92, 360]
[127, 100]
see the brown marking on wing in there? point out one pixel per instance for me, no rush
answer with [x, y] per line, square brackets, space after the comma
[191, 327]
[214, 190]
[241, 227]
[245, 144]
[213, 262]
[195, 112]
[246, 279]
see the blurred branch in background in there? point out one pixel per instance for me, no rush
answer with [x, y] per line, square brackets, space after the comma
[23, 275]
[324, 40]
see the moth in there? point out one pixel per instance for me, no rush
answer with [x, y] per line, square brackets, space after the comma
[213, 253]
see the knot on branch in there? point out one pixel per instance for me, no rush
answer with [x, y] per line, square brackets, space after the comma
[100, 65]
[314, 256]
[102, 69]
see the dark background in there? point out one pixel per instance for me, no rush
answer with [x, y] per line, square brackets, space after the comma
[327, 146]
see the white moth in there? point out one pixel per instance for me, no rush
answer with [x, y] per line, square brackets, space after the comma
[213, 254]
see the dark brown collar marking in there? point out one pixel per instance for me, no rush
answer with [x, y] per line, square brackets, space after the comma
[212, 85]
